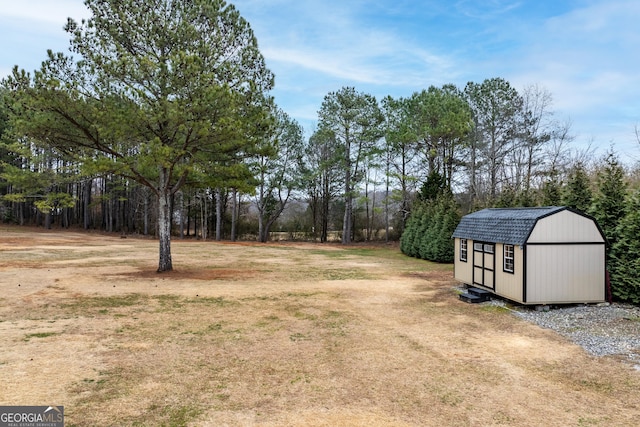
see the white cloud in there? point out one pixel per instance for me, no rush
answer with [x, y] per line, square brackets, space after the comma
[335, 41]
[584, 55]
[38, 12]
[29, 27]
[485, 9]
[587, 59]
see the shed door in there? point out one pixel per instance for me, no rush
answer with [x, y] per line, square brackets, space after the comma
[484, 262]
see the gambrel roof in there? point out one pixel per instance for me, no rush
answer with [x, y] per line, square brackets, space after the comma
[503, 225]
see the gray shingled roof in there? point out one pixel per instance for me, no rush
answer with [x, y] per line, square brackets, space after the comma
[502, 225]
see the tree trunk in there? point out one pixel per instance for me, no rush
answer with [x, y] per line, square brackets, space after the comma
[117, 212]
[313, 205]
[146, 214]
[218, 214]
[386, 199]
[373, 213]
[164, 225]
[109, 214]
[188, 216]
[261, 233]
[406, 205]
[348, 197]
[367, 224]
[324, 215]
[86, 217]
[203, 217]
[473, 167]
[346, 226]
[181, 195]
[234, 215]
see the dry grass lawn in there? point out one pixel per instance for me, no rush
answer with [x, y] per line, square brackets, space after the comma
[279, 335]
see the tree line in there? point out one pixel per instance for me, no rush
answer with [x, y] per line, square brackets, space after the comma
[165, 126]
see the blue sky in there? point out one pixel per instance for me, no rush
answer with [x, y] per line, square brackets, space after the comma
[586, 53]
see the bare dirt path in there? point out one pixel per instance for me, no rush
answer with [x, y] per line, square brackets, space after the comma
[278, 335]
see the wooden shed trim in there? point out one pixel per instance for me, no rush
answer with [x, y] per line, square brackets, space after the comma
[563, 243]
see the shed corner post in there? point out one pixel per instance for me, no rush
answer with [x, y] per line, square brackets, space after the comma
[524, 273]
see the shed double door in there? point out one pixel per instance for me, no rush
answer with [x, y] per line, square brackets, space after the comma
[484, 263]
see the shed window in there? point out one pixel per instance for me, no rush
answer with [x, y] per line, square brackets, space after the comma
[463, 250]
[508, 258]
[487, 248]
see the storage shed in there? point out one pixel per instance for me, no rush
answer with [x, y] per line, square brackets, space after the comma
[543, 255]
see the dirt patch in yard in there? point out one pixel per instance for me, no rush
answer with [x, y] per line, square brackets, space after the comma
[276, 335]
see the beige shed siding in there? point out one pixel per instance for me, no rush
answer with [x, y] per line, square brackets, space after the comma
[565, 273]
[509, 285]
[463, 270]
[565, 226]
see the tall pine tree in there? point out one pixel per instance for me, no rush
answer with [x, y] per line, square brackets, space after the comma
[624, 259]
[608, 206]
[577, 193]
[163, 88]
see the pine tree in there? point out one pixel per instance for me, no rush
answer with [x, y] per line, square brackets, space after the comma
[506, 198]
[408, 237]
[433, 187]
[432, 222]
[608, 206]
[577, 194]
[429, 229]
[551, 190]
[423, 230]
[164, 88]
[624, 259]
[444, 250]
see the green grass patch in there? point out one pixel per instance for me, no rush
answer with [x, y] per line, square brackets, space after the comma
[333, 254]
[349, 252]
[176, 416]
[601, 386]
[105, 302]
[355, 274]
[334, 321]
[169, 301]
[494, 309]
[304, 316]
[213, 328]
[40, 335]
[592, 421]
[267, 321]
[262, 298]
[212, 301]
[298, 336]
[302, 294]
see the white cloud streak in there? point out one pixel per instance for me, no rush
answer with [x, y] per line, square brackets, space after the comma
[47, 12]
[584, 52]
[587, 59]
